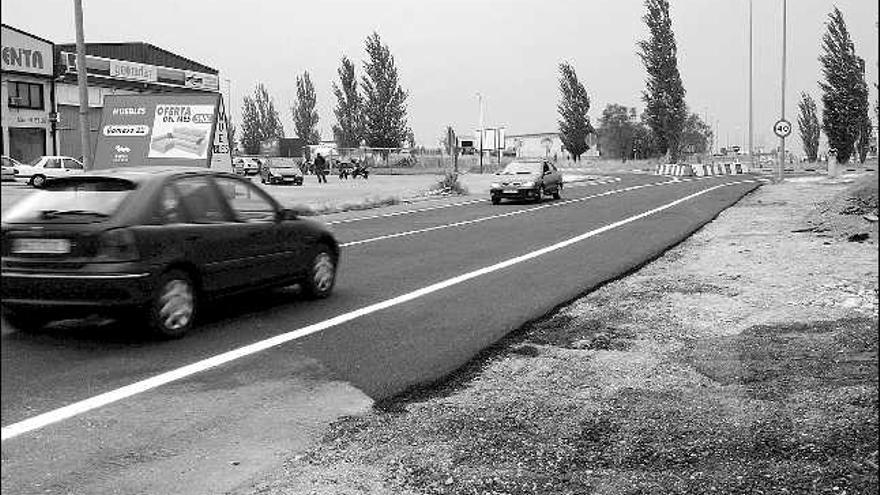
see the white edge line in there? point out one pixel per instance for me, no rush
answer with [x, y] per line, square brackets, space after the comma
[440, 207]
[116, 395]
[502, 215]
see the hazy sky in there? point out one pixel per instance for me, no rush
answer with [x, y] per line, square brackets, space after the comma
[447, 51]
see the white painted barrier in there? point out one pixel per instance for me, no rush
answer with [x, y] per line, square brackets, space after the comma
[701, 169]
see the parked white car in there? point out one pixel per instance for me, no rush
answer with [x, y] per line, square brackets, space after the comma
[46, 167]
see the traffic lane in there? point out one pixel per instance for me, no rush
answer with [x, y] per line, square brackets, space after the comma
[205, 435]
[388, 351]
[370, 226]
[47, 371]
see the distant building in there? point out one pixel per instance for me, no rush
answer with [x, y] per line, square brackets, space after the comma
[119, 68]
[26, 94]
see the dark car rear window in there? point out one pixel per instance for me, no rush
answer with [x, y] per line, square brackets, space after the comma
[73, 200]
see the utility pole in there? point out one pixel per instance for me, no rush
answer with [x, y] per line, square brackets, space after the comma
[480, 99]
[751, 108]
[781, 165]
[82, 77]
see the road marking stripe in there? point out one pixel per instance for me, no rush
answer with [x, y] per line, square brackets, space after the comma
[502, 215]
[592, 182]
[116, 395]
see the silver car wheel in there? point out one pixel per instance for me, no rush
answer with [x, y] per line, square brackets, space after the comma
[324, 271]
[176, 304]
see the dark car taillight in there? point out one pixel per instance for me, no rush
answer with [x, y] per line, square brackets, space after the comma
[117, 245]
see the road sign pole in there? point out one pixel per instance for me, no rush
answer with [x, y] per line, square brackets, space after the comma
[781, 165]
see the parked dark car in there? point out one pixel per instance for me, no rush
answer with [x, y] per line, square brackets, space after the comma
[155, 243]
[525, 179]
[281, 173]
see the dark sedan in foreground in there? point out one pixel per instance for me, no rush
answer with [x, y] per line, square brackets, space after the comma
[154, 243]
[526, 180]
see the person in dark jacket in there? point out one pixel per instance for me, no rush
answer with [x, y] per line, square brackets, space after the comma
[321, 168]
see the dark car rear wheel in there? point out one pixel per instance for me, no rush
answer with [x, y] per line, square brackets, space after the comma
[321, 275]
[539, 194]
[173, 308]
[26, 321]
[557, 194]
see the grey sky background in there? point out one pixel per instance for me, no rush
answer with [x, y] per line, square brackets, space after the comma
[447, 51]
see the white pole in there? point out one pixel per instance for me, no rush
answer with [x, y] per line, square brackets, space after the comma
[751, 108]
[781, 166]
[480, 98]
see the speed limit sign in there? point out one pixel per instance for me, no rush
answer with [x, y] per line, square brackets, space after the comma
[782, 128]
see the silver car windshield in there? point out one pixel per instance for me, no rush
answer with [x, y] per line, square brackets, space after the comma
[523, 168]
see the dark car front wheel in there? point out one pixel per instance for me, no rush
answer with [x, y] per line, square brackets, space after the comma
[173, 308]
[557, 194]
[496, 199]
[321, 275]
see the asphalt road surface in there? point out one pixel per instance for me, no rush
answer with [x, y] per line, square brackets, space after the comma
[419, 293]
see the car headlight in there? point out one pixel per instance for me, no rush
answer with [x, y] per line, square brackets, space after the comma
[494, 185]
[528, 184]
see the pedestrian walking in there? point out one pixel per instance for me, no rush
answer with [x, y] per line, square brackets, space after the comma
[320, 169]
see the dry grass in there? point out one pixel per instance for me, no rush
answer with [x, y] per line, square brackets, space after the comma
[685, 378]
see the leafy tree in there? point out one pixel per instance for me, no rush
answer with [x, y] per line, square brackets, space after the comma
[251, 134]
[305, 117]
[808, 122]
[696, 135]
[664, 96]
[845, 93]
[260, 120]
[348, 131]
[617, 131]
[574, 103]
[384, 103]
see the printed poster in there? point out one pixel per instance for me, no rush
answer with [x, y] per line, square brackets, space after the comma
[181, 131]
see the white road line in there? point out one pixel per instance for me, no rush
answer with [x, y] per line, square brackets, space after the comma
[407, 212]
[594, 182]
[127, 391]
[501, 215]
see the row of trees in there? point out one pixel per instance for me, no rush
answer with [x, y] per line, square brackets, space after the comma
[666, 127]
[846, 118]
[370, 111]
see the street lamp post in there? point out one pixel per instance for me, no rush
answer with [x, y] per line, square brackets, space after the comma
[751, 111]
[480, 99]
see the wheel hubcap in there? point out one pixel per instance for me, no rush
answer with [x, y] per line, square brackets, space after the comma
[324, 272]
[176, 304]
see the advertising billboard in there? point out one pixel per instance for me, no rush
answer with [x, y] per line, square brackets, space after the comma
[161, 129]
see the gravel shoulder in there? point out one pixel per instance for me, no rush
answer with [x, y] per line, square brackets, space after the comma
[743, 360]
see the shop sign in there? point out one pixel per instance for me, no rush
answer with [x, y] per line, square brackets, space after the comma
[132, 71]
[24, 53]
[199, 80]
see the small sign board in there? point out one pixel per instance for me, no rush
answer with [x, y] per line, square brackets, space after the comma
[782, 128]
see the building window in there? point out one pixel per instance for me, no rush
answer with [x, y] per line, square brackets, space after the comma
[25, 95]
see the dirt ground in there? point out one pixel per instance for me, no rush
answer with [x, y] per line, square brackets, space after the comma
[742, 361]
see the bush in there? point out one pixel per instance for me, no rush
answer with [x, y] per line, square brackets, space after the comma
[450, 184]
